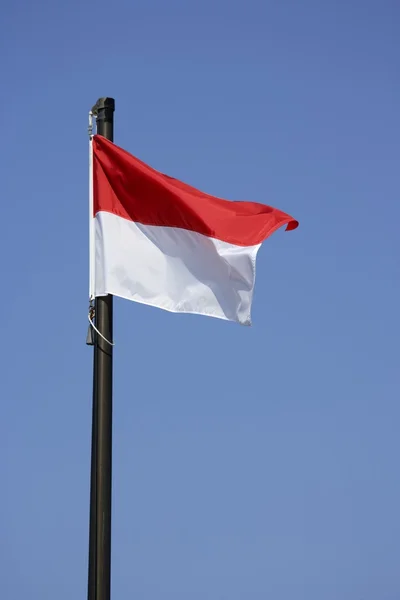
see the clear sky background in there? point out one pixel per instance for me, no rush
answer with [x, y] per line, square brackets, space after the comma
[249, 463]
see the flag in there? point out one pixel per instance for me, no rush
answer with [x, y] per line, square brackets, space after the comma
[161, 242]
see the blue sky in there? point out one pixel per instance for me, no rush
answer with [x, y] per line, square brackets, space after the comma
[248, 463]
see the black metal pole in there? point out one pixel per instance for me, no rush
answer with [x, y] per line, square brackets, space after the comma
[99, 572]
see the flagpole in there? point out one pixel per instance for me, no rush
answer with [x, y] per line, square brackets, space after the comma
[99, 571]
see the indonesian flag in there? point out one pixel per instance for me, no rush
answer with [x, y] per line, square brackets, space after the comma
[158, 241]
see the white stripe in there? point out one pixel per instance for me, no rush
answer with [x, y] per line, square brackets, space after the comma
[174, 269]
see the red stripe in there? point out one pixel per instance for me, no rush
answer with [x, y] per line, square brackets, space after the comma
[127, 187]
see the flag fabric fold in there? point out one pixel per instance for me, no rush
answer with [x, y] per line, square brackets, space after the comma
[161, 242]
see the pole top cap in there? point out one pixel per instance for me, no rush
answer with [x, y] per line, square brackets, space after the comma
[105, 103]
